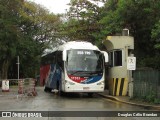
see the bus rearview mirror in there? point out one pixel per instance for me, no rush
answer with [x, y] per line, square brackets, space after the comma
[64, 55]
[105, 56]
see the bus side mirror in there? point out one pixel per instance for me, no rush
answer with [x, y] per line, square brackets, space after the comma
[64, 55]
[105, 56]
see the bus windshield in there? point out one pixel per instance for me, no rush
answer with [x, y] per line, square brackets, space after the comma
[84, 61]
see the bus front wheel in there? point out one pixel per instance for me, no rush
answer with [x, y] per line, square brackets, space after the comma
[90, 94]
[46, 89]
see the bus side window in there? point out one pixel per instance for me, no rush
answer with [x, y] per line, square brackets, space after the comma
[59, 59]
[53, 58]
[45, 61]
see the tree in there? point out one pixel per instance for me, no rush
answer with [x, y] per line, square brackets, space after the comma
[82, 20]
[9, 32]
[40, 28]
[26, 30]
[156, 35]
[89, 22]
[140, 17]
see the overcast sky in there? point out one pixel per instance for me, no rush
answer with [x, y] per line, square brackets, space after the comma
[55, 6]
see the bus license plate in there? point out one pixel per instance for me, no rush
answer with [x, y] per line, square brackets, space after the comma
[85, 88]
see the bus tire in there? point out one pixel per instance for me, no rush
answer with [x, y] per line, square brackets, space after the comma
[90, 94]
[46, 89]
[59, 90]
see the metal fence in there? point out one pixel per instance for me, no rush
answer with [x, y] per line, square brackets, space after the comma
[146, 82]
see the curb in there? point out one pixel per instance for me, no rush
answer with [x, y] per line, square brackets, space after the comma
[131, 103]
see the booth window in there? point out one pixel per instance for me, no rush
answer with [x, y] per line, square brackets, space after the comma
[115, 58]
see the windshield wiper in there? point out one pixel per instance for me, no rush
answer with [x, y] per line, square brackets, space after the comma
[87, 72]
[76, 72]
[93, 72]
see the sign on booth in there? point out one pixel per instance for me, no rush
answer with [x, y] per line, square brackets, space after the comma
[131, 63]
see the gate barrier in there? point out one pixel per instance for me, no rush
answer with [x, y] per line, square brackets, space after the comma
[31, 91]
[21, 86]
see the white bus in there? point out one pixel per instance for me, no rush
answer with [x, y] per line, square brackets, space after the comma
[74, 67]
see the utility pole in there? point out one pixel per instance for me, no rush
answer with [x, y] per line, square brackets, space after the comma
[18, 66]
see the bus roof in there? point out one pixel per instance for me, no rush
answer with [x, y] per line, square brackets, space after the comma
[74, 45]
[77, 45]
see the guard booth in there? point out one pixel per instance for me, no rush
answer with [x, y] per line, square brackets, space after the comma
[119, 48]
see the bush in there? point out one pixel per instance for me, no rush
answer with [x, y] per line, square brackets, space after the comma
[152, 98]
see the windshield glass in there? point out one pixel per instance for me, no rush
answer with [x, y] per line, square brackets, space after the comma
[84, 61]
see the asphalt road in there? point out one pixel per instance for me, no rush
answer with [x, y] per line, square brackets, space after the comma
[71, 104]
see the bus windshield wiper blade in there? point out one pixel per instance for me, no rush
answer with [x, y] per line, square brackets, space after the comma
[86, 72]
[76, 72]
[94, 72]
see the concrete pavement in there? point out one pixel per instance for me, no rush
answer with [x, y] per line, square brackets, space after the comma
[124, 99]
[128, 100]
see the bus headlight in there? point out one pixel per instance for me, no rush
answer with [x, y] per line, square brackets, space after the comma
[68, 82]
[100, 83]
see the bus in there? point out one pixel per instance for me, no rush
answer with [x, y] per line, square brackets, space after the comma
[75, 66]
